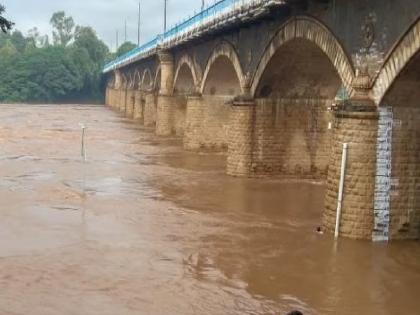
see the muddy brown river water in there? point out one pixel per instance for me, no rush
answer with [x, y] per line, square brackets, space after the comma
[145, 228]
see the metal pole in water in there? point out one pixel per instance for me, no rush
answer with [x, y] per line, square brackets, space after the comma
[83, 150]
[341, 189]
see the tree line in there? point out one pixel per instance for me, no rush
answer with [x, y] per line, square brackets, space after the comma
[64, 69]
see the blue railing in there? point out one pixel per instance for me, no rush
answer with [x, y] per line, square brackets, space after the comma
[176, 30]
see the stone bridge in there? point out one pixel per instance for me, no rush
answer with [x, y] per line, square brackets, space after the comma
[280, 85]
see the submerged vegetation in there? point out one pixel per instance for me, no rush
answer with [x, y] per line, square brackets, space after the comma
[66, 70]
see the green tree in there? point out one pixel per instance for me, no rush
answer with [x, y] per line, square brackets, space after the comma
[8, 50]
[63, 28]
[125, 48]
[19, 41]
[85, 37]
[33, 71]
[5, 24]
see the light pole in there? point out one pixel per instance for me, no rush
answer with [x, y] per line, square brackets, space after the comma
[138, 27]
[125, 30]
[164, 17]
[116, 41]
[202, 5]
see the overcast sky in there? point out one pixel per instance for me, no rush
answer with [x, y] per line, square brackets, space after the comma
[105, 16]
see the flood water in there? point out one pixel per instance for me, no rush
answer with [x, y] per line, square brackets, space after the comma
[145, 228]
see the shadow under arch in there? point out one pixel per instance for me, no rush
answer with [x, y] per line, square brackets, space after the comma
[156, 81]
[146, 80]
[311, 30]
[224, 71]
[404, 51]
[187, 78]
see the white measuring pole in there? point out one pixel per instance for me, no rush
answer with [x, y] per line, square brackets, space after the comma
[341, 190]
[83, 150]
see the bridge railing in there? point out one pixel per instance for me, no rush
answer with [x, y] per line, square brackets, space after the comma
[205, 15]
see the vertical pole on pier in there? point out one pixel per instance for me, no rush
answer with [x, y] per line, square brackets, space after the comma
[341, 189]
[138, 26]
[83, 149]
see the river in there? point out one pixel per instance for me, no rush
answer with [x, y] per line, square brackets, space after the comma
[143, 227]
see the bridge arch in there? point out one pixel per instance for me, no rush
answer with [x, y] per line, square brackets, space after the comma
[124, 80]
[187, 77]
[111, 81]
[157, 79]
[117, 79]
[131, 80]
[224, 66]
[404, 52]
[310, 30]
[146, 79]
[137, 79]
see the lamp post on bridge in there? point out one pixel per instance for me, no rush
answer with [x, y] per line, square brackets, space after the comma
[164, 17]
[138, 26]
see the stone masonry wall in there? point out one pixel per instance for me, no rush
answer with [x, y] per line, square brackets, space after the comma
[207, 123]
[171, 111]
[241, 134]
[129, 110]
[291, 138]
[360, 131]
[138, 106]
[150, 110]
[405, 174]
[192, 127]
[123, 97]
[164, 115]
[180, 114]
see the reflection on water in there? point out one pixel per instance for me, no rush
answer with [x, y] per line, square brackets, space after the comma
[145, 228]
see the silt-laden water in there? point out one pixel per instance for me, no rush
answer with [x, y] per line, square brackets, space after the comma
[144, 227]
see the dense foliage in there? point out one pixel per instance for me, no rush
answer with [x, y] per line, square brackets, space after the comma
[125, 48]
[5, 24]
[67, 70]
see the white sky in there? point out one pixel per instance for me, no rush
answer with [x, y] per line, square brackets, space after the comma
[105, 16]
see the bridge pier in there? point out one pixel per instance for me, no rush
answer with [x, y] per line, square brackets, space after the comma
[356, 123]
[138, 105]
[122, 100]
[359, 129]
[116, 98]
[193, 120]
[241, 135]
[165, 115]
[207, 122]
[165, 99]
[149, 109]
[110, 96]
[129, 109]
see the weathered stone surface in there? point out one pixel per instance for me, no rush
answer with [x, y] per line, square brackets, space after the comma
[138, 106]
[241, 127]
[129, 109]
[207, 123]
[360, 132]
[150, 110]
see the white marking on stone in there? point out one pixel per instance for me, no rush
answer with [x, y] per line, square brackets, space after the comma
[383, 182]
